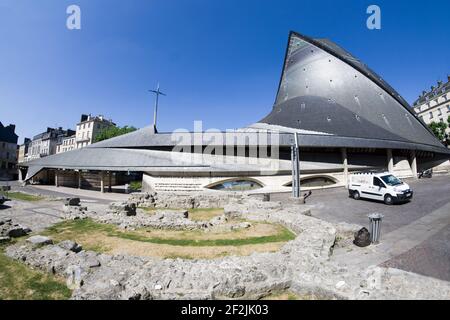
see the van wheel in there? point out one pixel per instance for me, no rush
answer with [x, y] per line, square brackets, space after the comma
[388, 199]
[356, 195]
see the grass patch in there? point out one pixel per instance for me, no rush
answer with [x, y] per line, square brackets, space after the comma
[22, 196]
[19, 282]
[196, 214]
[74, 228]
[184, 244]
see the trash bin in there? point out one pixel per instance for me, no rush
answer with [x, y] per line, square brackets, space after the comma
[375, 227]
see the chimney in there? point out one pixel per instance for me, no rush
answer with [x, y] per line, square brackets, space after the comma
[84, 117]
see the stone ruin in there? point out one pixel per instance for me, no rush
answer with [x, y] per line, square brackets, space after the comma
[73, 209]
[303, 265]
[9, 229]
[126, 216]
[192, 200]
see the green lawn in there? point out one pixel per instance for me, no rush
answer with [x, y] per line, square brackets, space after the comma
[19, 282]
[22, 196]
[76, 228]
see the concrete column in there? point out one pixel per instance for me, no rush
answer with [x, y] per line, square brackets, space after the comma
[20, 174]
[345, 165]
[390, 161]
[79, 179]
[109, 181]
[414, 164]
[102, 182]
[56, 178]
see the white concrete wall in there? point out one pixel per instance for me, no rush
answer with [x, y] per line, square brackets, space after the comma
[270, 183]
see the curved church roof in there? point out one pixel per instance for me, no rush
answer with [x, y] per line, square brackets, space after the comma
[324, 88]
[325, 94]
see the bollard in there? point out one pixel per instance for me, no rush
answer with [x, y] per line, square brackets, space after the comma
[375, 227]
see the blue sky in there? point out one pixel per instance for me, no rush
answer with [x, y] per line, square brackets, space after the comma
[218, 61]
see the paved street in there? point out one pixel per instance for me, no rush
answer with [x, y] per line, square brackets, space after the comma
[64, 192]
[431, 257]
[335, 205]
[415, 235]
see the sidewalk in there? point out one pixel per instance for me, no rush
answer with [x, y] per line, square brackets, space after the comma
[81, 193]
[396, 242]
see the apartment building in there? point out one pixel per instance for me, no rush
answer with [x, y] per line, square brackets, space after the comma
[22, 155]
[8, 152]
[88, 127]
[67, 144]
[45, 143]
[434, 105]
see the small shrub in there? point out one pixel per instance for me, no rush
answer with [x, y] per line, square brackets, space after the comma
[135, 186]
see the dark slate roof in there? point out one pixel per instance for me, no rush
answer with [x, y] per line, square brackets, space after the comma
[7, 133]
[53, 133]
[326, 89]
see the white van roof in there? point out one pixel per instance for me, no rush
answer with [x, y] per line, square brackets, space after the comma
[374, 174]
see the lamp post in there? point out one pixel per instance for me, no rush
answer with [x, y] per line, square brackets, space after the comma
[295, 168]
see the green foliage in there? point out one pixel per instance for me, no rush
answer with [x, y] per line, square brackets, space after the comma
[113, 131]
[135, 185]
[438, 129]
[22, 196]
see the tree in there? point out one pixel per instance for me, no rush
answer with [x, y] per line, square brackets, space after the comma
[438, 129]
[113, 131]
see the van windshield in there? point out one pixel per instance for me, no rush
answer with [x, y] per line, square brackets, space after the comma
[391, 180]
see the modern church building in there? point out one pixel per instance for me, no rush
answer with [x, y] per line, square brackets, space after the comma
[346, 116]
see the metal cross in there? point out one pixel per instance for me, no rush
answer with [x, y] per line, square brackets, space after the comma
[157, 93]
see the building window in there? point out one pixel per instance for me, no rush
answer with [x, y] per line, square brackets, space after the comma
[236, 185]
[318, 181]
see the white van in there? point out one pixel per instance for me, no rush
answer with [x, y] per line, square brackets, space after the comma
[378, 186]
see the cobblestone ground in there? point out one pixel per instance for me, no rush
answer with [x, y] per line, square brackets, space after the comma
[431, 257]
[334, 205]
[35, 215]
